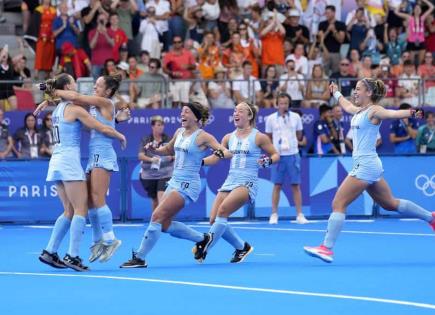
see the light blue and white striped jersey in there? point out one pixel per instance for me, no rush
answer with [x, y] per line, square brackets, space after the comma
[66, 135]
[188, 156]
[245, 155]
[364, 135]
[97, 138]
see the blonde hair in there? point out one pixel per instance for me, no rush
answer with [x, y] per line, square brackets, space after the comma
[253, 110]
[376, 86]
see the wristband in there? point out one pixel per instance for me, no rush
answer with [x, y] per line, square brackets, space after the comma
[337, 95]
[267, 161]
[219, 153]
[202, 162]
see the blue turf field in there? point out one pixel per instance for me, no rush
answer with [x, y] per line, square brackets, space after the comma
[382, 267]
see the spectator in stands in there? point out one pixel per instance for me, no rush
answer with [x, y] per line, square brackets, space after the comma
[150, 34]
[361, 4]
[126, 9]
[234, 56]
[293, 84]
[250, 48]
[89, 16]
[272, 39]
[211, 11]
[28, 141]
[355, 62]
[46, 133]
[233, 27]
[346, 81]
[317, 89]
[219, 91]
[294, 31]
[65, 28]
[74, 61]
[394, 45]
[109, 67]
[372, 47]
[337, 131]
[366, 70]
[426, 135]
[144, 60]
[123, 54]
[390, 83]
[415, 29]
[8, 100]
[125, 95]
[246, 86]
[323, 132]
[163, 11]
[315, 55]
[403, 132]
[179, 64]
[430, 38]
[397, 70]
[334, 34]
[229, 10]
[196, 23]
[269, 86]
[45, 49]
[21, 72]
[150, 86]
[133, 71]
[198, 89]
[358, 28]
[120, 37]
[155, 170]
[284, 128]
[6, 142]
[101, 42]
[408, 85]
[209, 56]
[301, 62]
[426, 71]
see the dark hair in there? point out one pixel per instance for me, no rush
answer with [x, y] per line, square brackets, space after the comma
[112, 83]
[44, 121]
[270, 67]
[408, 63]
[330, 7]
[376, 86]
[405, 106]
[429, 114]
[284, 95]
[106, 62]
[25, 120]
[156, 62]
[323, 109]
[360, 10]
[202, 110]
[60, 81]
[246, 63]
[144, 52]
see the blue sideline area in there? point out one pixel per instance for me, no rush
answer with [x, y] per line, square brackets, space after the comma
[384, 267]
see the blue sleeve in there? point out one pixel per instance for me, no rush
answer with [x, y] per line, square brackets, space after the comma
[319, 129]
[414, 124]
[393, 127]
[56, 24]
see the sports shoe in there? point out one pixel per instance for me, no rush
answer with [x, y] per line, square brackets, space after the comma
[75, 263]
[109, 250]
[322, 252]
[200, 248]
[52, 260]
[96, 251]
[300, 219]
[240, 254]
[273, 218]
[432, 223]
[134, 262]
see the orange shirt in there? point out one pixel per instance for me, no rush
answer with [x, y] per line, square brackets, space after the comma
[273, 49]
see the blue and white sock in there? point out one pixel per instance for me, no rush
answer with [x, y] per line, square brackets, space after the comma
[181, 230]
[59, 231]
[335, 224]
[150, 238]
[77, 230]
[233, 238]
[97, 233]
[106, 223]
[218, 229]
[408, 208]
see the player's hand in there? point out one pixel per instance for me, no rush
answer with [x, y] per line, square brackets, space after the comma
[40, 108]
[417, 113]
[264, 161]
[333, 87]
[123, 141]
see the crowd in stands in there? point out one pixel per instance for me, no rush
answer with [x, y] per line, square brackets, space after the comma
[221, 52]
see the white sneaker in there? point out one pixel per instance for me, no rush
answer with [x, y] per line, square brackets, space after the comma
[273, 218]
[109, 250]
[300, 219]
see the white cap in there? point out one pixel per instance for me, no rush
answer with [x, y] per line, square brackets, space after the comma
[294, 12]
[123, 66]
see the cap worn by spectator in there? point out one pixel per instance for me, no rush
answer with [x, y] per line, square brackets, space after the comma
[123, 48]
[293, 12]
[123, 66]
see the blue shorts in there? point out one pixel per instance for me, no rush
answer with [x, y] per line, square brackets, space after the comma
[288, 165]
[188, 189]
[233, 181]
[65, 166]
[102, 158]
[368, 169]
[186, 198]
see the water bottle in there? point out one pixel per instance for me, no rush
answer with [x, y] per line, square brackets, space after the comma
[155, 165]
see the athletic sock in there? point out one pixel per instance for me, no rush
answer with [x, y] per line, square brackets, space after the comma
[181, 230]
[150, 238]
[411, 209]
[59, 231]
[77, 230]
[106, 223]
[217, 229]
[233, 238]
[97, 234]
[335, 224]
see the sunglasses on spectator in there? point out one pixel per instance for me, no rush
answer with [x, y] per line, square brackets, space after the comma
[344, 64]
[152, 67]
[177, 42]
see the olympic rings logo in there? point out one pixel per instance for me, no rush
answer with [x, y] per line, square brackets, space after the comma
[425, 184]
[307, 118]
